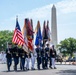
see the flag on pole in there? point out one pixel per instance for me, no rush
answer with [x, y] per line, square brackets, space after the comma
[30, 44]
[48, 34]
[28, 27]
[24, 32]
[17, 37]
[32, 28]
[48, 31]
[30, 35]
[28, 32]
[38, 35]
[44, 33]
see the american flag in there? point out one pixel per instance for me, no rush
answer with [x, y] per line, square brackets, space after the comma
[18, 37]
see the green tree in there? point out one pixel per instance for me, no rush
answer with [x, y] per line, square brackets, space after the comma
[68, 46]
[5, 36]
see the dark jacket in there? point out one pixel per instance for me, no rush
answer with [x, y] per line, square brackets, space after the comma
[15, 52]
[22, 53]
[38, 51]
[9, 53]
[52, 53]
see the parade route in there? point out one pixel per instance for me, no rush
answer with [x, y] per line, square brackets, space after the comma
[61, 70]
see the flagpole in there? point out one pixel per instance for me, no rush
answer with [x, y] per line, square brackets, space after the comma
[16, 24]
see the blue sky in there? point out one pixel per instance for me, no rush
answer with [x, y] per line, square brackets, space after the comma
[39, 10]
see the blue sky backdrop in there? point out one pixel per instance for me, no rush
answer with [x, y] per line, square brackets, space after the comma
[39, 10]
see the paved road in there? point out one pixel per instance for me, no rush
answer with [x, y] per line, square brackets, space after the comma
[61, 70]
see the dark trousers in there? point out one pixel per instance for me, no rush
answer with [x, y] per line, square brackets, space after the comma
[22, 63]
[43, 62]
[9, 62]
[16, 61]
[50, 62]
[46, 62]
[38, 62]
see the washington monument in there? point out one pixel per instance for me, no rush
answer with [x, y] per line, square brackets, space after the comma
[53, 26]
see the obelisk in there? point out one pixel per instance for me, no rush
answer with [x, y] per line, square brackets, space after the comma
[54, 26]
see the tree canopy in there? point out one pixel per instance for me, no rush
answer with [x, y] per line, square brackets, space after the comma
[68, 46]
[5, 36]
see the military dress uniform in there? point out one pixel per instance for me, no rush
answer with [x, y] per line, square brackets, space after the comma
[46, 57]
[9, 57]
[50, 58]
[38, 51]
[28, 57]
[33, 57]
[22, 55]
[43, 57]
[15, 57]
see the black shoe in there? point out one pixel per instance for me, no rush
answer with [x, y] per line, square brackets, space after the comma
[38, 68]
[15, 69]
[23, 69]
[55, 68]
[51, 67]
[27, 69]
[44, 68]
[8, 71]
[32, 68]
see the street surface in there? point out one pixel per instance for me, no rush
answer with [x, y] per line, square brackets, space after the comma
[63, 69]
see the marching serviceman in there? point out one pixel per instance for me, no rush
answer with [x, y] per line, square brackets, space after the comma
[28, 60]
[16, 56]
[43, 57]
[33, 57]
[53, 56]
[22, 55]
[38, 51]
[9, 56]
[46, 56]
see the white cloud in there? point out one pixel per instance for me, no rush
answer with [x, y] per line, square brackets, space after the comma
[44, 13]
[67, 6]
[37, 13]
